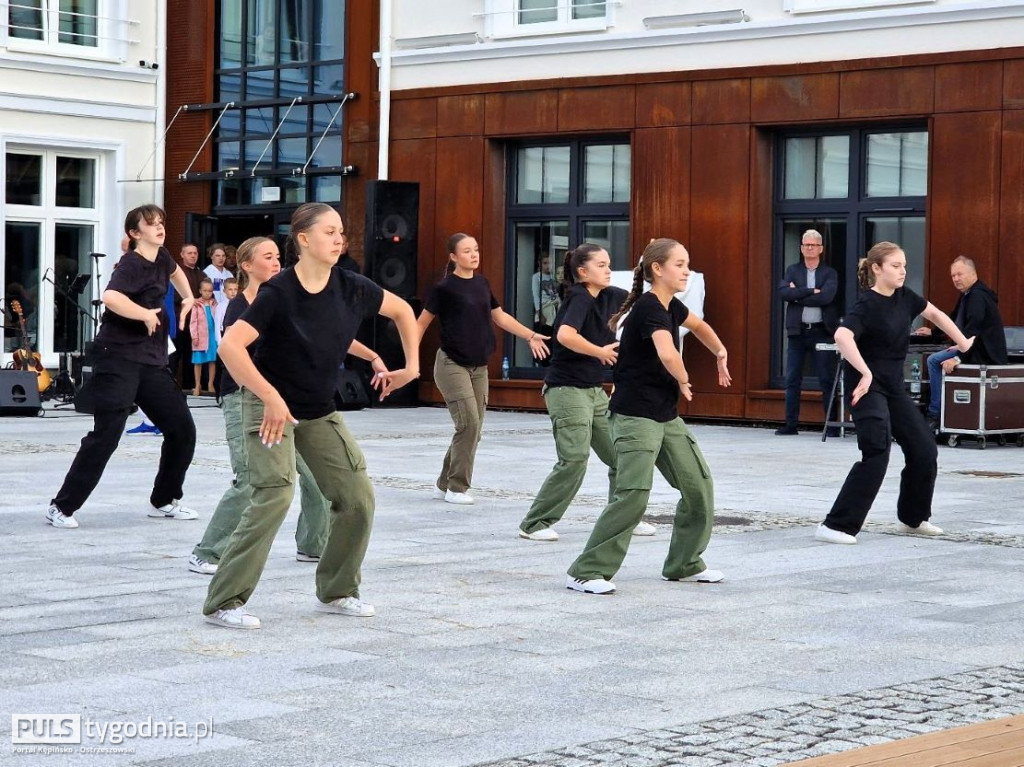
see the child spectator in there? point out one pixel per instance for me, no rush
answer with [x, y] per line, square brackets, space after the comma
[230, 291]
[204, 337]
[216, 270]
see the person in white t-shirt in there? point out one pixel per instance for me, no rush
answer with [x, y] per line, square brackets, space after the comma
[216, 271]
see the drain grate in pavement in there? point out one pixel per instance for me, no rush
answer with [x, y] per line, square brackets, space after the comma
[988, 474]
[720, 520]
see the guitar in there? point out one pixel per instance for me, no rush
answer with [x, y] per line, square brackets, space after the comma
[25, 358]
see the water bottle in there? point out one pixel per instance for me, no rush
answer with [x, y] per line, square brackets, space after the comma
[915, 379]
[505, 366]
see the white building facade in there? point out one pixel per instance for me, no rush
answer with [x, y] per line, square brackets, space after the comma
[81, 122]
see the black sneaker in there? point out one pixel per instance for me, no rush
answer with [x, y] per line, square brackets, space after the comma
[786, 431]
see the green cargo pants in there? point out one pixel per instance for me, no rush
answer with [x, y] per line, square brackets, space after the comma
[311, 531]
[579, 421]
[640, 445]
[337, 464]
[465, 392]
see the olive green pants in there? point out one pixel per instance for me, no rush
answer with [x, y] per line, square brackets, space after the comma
[311, 531]
[337, 464]
[640, 445]
[579, 421]
[465, 393]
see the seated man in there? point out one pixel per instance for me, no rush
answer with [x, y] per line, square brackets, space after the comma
[977, 314]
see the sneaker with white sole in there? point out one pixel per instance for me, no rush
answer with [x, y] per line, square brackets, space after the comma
[460, 499]
[302, 556]
[437, 493]
[828, 535]
[925, 528]
[173, 510]
[235, 618]
[352, 606]
[544, 534]
[595, 586]
[201, 566]
[644, 528]
[59, 519]
[705, 576]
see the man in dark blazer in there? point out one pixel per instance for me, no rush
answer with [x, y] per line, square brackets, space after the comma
[977, 314]
[809, 289]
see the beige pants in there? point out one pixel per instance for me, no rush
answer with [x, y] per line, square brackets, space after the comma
[465, 392]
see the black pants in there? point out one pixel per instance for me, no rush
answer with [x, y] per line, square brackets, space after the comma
[879, 418]
[824, 364]
[118, 383]
[183, 357]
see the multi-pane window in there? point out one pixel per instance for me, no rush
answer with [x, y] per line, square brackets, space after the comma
[51, 220]
[508, 18]
[560, 195]
[857, 188]
[59, 22]
[275, 51]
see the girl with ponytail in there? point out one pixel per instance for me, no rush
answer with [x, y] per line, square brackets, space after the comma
[466, 306]
[873, 338]
[573, 387]
[646, 429]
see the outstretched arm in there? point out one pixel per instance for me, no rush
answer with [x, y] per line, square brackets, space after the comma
[394, 308]
[707, 336]
[946, 325]
[848, 348]
[510, 324]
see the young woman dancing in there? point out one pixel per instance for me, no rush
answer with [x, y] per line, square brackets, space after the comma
[647, 431]
[466, 306]
[584, 346]
[305, 319]
[131, 367]
[873, 338]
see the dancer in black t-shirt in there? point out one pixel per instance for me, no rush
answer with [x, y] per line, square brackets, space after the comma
[647, 430]
[131, 367]
[873, 338]
[305, 319]
[466, 306]
[583, 349]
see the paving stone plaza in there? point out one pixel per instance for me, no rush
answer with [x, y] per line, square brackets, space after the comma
[478, 654]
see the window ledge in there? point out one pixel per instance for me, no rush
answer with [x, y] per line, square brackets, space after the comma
[66, 64]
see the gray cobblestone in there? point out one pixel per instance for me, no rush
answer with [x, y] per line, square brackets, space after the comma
[824, 726]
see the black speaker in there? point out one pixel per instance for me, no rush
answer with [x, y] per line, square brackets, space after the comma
[350, 393]
[19, 393]
[381, 335]
[392, 224]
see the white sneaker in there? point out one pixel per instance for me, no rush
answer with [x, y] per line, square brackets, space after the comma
[302, 556]
[461, 499]
[544, 534]
[828, 535]
[437, 493]
[705, 576]
[173, 510]
[596, 586]
[644, 528]
[925, 528]
[235, 618]
[58, 519]
[201, 566]
[353, 606]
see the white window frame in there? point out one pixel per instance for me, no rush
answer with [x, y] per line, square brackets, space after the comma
[112, 32]
[49, 215]
[817, 6]
[501, 20]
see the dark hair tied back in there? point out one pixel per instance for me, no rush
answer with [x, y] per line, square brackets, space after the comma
[575, 259]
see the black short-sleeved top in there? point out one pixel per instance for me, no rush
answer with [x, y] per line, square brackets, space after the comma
[881, 325]
[643, 387]
[236, 308]
[588, 315]
[304, 336]
[145, 283]
[464, 308]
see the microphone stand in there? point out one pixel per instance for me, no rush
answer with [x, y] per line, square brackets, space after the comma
[81, 312]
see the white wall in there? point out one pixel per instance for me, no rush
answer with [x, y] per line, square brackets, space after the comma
[852, 29]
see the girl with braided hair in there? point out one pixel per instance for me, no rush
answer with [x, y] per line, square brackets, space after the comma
[646, 429]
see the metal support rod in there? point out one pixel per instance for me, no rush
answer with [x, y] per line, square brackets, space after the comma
[324, 134]
[156, 146]
[205, 140]
[274, 135]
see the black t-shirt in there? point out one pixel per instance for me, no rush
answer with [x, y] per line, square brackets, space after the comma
[145, 283]
[464, 308]
[304, 336]
[589, 316]
[881, 325]
[236, 308]
[643, 387]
